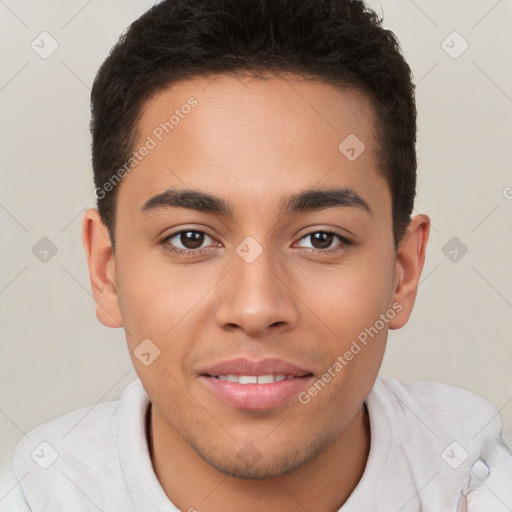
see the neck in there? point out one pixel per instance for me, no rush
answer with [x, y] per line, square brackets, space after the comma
[323, 484]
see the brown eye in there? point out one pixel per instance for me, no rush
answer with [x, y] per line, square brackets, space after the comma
[191, 239]
[322, 242]
[187, 240]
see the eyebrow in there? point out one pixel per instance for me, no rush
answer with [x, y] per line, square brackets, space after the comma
[306, 201]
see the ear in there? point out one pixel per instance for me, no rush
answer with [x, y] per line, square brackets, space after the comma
[102, 268]
[410, 258]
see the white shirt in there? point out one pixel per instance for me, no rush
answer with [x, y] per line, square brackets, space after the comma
[434, 448]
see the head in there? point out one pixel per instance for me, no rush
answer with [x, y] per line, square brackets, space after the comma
[255, 170]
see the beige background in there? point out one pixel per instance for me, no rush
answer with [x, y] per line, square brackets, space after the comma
[56, 357]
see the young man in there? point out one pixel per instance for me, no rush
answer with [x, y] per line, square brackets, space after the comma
[255, 171]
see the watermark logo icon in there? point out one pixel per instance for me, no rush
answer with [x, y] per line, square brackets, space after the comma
[249, 454]
[454, 250]
[44, 45]
[44, 250]
[454, 45]
[249, 249]
[454, 455]
[44, 455]
[146, 352]
[352, 147]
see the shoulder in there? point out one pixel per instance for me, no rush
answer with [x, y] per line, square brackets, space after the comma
[445, 408]
[79, 446]
[77, 432]
[449, 432]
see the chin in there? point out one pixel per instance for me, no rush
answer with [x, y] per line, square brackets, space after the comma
[257, 471]
[251, 463]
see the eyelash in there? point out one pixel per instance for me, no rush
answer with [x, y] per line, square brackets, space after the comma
[345, 242]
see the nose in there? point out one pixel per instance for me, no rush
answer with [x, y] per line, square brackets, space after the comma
[257, 296]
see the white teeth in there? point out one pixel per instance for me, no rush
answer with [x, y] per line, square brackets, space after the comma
[255, 379]
[248, 379]
[266, 379]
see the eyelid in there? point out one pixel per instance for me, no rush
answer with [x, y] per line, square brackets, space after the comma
[184, 230]
[342, 233]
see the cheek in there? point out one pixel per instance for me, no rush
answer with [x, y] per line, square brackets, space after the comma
[165, 304]
[349, 297]
[153, 294]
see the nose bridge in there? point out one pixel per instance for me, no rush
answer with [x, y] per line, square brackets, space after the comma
[255, 296]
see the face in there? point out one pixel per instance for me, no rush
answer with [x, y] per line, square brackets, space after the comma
[250, 278]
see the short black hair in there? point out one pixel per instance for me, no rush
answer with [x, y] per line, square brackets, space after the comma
[341, 42]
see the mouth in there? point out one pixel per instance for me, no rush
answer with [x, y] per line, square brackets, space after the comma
[256, 379]
[255, 385]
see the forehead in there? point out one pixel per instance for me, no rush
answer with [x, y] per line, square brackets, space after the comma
[251, 138]
[251, 103]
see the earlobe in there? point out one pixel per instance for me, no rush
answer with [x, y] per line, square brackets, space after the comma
[410, 259]
[102, 269]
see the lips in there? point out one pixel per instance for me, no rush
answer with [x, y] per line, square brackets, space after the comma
[255, 385]
[242, 366]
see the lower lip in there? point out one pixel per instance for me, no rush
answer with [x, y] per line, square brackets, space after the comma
[256, 397]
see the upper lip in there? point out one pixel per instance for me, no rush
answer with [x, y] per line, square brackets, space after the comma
[243, 366]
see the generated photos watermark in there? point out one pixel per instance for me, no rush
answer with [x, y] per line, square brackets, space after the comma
[151, 142]
[356, 346]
